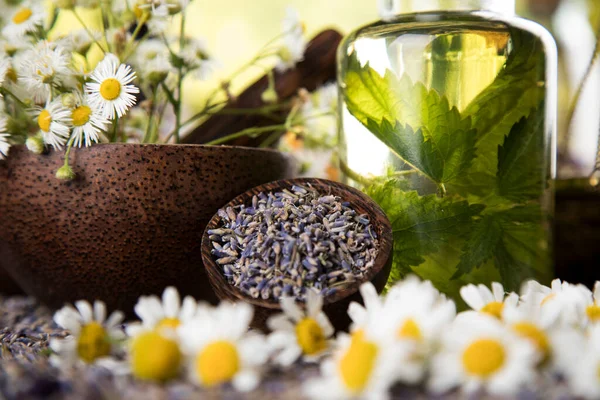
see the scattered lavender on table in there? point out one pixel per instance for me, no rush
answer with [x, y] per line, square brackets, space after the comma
[287, 241]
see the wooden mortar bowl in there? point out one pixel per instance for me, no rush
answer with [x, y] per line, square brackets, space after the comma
[336, 305]
[130, 223]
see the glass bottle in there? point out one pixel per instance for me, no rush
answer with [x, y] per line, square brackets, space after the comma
[448, 120]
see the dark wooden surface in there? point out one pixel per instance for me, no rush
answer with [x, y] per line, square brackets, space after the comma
[317, 68]
[336, 305]
[129, 224]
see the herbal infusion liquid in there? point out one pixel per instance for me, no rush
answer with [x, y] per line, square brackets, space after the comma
[448, 119]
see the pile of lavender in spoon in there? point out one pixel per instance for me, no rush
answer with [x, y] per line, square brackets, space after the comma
[286, 242]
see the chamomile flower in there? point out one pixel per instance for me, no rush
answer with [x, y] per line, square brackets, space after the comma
[93, 337]
[419, 312]
[4, 145]
[54, 122]
[110, 88]
[296, 333]
[562, 302]
[579, 356]
[197, 59]
[525, 320]
[220, 349]
[43, 67]
[373, 304]
[26, 18]
[366, 363]
[169, 313]
[479, 352]
[294, 42]
[87, 120]
[481, 298]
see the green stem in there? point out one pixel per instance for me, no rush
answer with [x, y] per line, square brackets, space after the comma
[251, 132]
[179, 81]
[115, 130]
[91, 35]
[272, 138]
[355, 176]
[148, 133]
[169, 94]
[68, 151]
[128, 50]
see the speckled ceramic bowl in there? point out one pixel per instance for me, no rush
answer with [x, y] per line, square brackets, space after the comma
[131, 223]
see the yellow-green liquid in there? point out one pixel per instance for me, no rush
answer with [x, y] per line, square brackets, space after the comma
[459, 55]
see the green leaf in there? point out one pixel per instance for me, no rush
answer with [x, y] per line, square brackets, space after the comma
[521, 167]
[480, 246]
[514, 93]
[421, 225]
[370, 96]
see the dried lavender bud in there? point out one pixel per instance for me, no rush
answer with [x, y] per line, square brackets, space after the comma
[284, 242]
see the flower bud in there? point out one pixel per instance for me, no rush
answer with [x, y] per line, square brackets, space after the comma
[65, 173]
[269, 95]
[68, 100]
[35, 144]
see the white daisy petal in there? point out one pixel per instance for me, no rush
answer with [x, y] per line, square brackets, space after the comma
[289, 306]
[246, 381]
[171, 302]
[85, 309]
[314, 303]
[99, 311]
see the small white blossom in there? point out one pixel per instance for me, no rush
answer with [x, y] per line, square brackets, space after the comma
[110, 88]
[92, 335]
[43, 67]
[54, 122]
[26, 18]
[296, 333]
[220, 349]
[479, 352]
[481, 298]
[294, 42]
[87, 120]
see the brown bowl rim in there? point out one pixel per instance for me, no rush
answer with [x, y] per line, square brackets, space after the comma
[365, 205]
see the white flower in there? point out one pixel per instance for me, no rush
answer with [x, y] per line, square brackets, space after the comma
[415, 313]
[580, 360]
[148, 50]
[54, 121]
[152, 60]
[169, 313]
[419, 314]
[197, 58]
[111, 88]
[525, 320]
[26, 18]
[318, 116]
[479, 352]
[481, 298]
[296, 333]
[87, 120]
[43, 67]
[92, 335]
[562, 302]
[294, 42]
[221, 350]
[364, 365]
[162, 8]
[4, 145]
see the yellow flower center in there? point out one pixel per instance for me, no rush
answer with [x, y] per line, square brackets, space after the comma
[548, 298]
[217, 363]
[356, 366]
[93, 342]
[155, 357]
[44, 120]
[535, 335]
[593, 312]
[483, 357]
[494, 309]
[171, 323]
[110, 89]
[410, 330]
[81, 115]
[22, 15]
[310, 336]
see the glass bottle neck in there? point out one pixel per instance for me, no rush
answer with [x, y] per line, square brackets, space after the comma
[390, 8]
